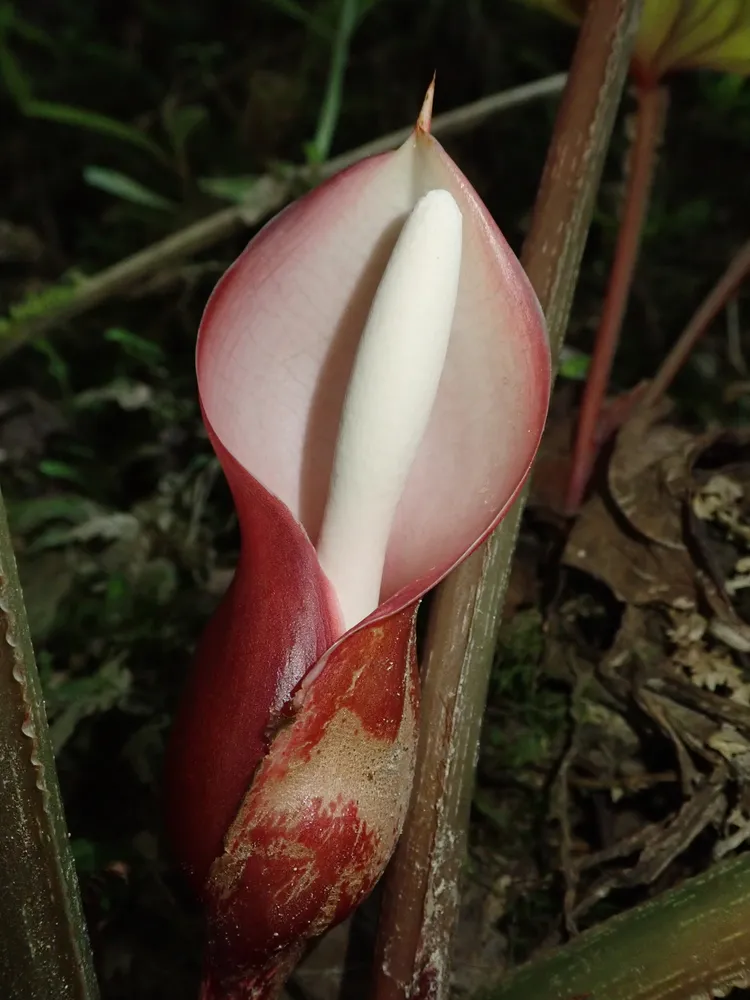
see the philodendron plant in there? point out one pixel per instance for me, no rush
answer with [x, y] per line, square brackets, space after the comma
[374, 376]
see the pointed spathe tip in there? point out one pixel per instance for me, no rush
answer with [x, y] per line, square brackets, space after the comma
[425, 115]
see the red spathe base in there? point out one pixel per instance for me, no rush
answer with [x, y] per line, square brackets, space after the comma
[323, 815]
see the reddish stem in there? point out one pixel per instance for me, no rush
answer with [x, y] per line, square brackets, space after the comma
[717, 298]
[649, 122]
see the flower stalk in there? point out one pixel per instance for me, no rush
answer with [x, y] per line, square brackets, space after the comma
[420, 906]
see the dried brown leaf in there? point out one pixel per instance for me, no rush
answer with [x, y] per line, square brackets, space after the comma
[635, 570]
[647, 476]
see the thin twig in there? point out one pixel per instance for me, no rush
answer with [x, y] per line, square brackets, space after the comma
[266, 196]
[711, 306]
[422, 886]
[649, 128]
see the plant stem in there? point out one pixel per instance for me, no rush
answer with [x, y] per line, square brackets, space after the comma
[331, 107]
[267, 195]
[649, 128]
[44, 947]
[422, 885]
[691, 942]
[715, 301]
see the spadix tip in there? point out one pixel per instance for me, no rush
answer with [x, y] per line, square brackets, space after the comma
[437, 215]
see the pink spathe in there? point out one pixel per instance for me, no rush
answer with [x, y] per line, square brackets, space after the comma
[281, 331]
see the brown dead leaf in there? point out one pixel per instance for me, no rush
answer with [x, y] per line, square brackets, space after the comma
[656, 709]
[706, 807]
[647, 476]
[663, 843]
[734, 748]
[713, 706]
[669, 534]
[637, 571]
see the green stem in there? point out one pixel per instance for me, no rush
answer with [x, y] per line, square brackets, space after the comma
[331, 108]
[44, 947]
[691, 942]
[649, 127]
[422, 885]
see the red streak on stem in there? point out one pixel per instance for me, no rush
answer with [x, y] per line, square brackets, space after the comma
[715, 301]
[650, 116]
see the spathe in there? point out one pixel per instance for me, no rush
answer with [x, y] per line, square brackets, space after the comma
[257, 733]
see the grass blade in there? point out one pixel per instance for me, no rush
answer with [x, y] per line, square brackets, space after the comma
[67, 114]
[126, 188]
[331, 108]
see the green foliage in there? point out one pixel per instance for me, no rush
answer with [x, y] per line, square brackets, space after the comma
[69, 701]
[117, 184]
[181, 122]
[37, 304]
[64, 114]
[530, 714]
[146, 352]
[574, 365]
[234, 189]
[19, 86]
[320, 147]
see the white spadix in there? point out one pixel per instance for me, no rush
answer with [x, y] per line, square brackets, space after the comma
[388, 401]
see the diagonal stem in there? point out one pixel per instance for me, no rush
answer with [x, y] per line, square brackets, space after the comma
[690, 942]
[715, 301]
[268, 194]
[649, 126]
[422, 885]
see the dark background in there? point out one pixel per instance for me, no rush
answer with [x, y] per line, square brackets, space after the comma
[124, 530]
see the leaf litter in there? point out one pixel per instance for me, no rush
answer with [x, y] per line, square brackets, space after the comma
[643, 645]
